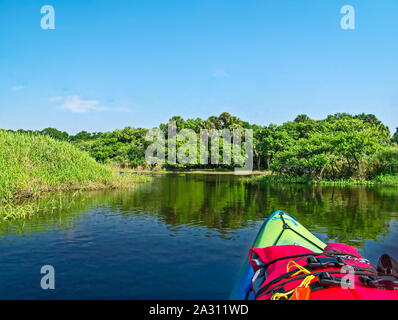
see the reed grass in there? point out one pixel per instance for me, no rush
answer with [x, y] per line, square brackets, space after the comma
[31, 165]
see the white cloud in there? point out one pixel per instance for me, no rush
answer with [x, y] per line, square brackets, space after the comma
[220, 74]
[17, 88]
[77, 105]
[54, 99]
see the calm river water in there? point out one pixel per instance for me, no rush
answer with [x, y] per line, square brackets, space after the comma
[179, 237]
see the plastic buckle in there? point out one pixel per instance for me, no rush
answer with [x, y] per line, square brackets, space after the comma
[388, 283]
[325, 262]
[324, 278]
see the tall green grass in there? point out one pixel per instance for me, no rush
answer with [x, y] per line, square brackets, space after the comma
[33, 164]
[386, 180]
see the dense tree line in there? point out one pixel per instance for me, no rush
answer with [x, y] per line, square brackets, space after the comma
[340, 146]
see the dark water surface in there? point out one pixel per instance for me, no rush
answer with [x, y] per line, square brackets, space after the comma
[179, 237]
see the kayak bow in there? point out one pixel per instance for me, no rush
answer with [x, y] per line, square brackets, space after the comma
[279, 229]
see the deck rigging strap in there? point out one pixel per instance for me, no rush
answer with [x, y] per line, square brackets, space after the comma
[311, 254]
[366, 271]
[287, 227]
[266, 289]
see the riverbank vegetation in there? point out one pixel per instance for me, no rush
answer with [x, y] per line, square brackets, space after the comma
[341, 147]
[346, 214]
[33, 164]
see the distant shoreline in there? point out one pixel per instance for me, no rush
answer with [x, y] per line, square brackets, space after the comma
[196, 171]
[269, 177]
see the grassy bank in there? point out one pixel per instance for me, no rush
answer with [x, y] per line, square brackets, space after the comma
[383, 180]
[34, 164]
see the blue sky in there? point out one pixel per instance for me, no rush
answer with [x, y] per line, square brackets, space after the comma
[111, 64]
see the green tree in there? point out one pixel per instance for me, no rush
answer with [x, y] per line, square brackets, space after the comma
[302, 118]
[394, 138]
[334, 152]
[56, 134]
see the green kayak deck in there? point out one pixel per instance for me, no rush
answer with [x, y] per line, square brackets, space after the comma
[279, 229]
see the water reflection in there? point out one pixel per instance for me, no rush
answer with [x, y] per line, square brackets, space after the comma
[227, 203]
[185, 235]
